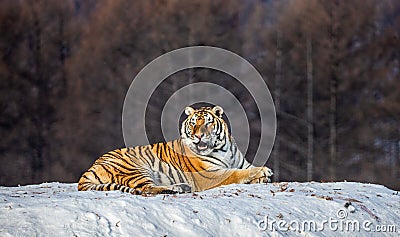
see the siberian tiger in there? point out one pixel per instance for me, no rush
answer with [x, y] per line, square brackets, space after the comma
[204, 157]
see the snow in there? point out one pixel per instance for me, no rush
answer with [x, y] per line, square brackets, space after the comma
[274, 209]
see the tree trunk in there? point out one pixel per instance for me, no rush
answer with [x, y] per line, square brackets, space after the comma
[333, 92]
[396, 159]
[37, 163]
[310, 118]
[277, 93]
[63, 53]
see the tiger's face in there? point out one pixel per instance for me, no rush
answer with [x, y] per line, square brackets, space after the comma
[204, 130]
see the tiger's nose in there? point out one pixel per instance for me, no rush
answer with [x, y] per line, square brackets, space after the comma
[199, 136]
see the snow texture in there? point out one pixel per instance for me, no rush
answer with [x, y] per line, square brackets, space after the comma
[277, 209]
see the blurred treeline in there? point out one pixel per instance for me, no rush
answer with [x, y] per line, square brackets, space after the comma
[332, 67]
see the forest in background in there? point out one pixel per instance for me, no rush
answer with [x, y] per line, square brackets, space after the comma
[332, 68]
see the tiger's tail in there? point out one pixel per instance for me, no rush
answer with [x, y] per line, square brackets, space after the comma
[107, 187]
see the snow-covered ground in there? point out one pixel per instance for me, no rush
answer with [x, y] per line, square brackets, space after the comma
[288, 209]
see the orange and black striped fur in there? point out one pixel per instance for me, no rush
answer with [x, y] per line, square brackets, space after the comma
[204, 157]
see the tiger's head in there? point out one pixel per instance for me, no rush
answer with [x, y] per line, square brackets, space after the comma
[204, 130]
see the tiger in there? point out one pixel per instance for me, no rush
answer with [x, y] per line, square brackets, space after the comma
[204, 157]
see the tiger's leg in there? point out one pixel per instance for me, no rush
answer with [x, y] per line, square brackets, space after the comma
[91, 181]
[250, 176]
[135, 184]
[211, 179]
[136, 180]
[160, 178]
[147, 183]
[171, 189]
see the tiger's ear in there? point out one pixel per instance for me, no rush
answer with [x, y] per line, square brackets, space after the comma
[217, 110]
[189, 110]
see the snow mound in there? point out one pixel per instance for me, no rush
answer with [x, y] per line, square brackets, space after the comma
[295, 209]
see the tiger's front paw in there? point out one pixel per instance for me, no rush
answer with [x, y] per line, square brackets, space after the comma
[260, 175]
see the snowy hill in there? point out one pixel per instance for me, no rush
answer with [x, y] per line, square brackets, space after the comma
[289, 209]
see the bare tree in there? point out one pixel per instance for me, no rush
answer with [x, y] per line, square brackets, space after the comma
[277, 94]
[310, 104]
[333, 80]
